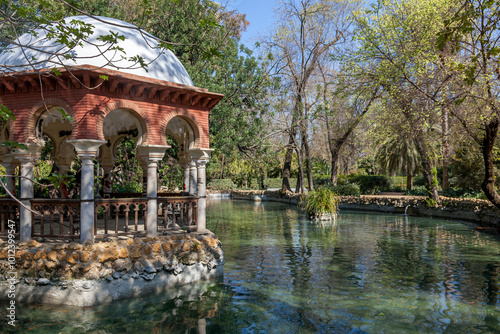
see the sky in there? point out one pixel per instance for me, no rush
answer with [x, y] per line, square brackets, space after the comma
[260, 15]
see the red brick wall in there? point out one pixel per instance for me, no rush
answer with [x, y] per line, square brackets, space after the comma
[89, 108]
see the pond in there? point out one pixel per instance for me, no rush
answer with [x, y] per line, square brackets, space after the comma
[368, 273]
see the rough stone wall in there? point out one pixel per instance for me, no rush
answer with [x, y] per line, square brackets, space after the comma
[46, 263]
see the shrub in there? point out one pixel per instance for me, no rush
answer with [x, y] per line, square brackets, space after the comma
[417, 191]
[221, 184]
[350, 189]
[419, 181]
[371, 184]
[321, 180]
[278, 181]
[319, 202]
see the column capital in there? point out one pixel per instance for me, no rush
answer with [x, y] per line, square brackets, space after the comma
[201, 153]
[201, 163]
[151, 153]
[191, 164]
[86, 148]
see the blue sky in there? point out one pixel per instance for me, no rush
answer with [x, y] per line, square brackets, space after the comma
[259, 13]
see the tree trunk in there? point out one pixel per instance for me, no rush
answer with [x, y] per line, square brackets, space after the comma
[409, 178]
[307, 151]
[300, 179]
[488, 184]
[445, 129]
[426, 166]
[308, 161]
[334, 151]
[287, 166]
[335, 144]
[222, 167]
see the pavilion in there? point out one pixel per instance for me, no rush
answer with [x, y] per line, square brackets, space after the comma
[108, 98]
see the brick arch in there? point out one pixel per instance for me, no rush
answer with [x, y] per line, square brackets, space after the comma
[133, 109]
[190, 119]
[35, 113]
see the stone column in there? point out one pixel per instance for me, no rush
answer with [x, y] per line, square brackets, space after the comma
[202, 195]
[193, 178]
[151, 154]
[201, 156]
[202, 326]
[87, 152]
[186, 169]
[27, 159]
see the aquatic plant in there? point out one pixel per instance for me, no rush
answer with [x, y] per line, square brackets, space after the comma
[321, 204]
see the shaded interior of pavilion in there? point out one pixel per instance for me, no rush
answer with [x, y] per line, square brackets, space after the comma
[136, 188]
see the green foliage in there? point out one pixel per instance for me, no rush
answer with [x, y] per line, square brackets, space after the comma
[417, 191]
[371, 184]
[6, 113]
[349, 189]
[319, 202]
[170, 172]
[276, 182]
[434, 177]
[466, 170]
[429, 202]
[221, 184]
[463, 193]
[60, 180]
[12, 146]
[127, 187]
[127, 174]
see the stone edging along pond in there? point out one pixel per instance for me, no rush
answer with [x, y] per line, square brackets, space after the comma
[91, 274]
[477, 211]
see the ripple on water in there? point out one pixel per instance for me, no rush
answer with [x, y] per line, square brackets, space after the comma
[372, 273]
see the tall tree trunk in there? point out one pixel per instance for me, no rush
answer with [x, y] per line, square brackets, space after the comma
[409, 177]
[445, 130]
[287, 166]
[335, 154]
[488, 184]
[300, 179]
[222, 167]
[307, 152]
[426, 166]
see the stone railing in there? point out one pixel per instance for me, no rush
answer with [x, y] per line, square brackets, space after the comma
[60, 218]
[9, 210]
[175, 212]
[120, 216]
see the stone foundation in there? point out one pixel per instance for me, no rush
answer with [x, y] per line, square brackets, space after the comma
[90, 274]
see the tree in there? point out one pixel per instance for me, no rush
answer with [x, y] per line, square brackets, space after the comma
[399, 154]
[344, 107]
[399, 37]
[307, 31]
[471, 34]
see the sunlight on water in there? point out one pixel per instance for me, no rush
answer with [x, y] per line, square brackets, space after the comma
[368, 273]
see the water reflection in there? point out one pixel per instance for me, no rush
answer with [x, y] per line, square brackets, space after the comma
[368, 273]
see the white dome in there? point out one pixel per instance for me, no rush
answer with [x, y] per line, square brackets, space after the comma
[161, 64]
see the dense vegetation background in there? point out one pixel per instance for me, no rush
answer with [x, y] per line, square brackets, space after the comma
[396, 95]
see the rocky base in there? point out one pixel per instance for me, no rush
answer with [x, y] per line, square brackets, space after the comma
[90, 274]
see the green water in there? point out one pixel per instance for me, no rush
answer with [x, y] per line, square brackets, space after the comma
[371, 273]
